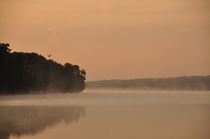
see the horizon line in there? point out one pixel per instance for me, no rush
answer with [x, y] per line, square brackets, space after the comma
[116, 79]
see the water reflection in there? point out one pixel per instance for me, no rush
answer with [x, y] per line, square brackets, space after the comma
[22, 120]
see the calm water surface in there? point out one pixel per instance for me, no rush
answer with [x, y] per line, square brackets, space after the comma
[107, 115]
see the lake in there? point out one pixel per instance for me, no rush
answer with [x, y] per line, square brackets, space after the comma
[107, 114]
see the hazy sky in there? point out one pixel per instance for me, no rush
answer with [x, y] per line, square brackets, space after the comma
[113, 38]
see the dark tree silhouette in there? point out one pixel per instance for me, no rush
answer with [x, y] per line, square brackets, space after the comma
[4, 48]
[26, 72]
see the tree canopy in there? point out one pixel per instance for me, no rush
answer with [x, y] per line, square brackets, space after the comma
[31, 72]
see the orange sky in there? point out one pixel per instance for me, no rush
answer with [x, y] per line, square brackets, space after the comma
[113, 38]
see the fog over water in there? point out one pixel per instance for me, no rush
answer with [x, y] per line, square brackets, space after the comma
[153, 45]
[107, 114]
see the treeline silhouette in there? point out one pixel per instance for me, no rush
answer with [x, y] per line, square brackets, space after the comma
[176, 83]
[30, 72]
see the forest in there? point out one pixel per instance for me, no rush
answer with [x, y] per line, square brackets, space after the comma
[171, 83]
[22, 72]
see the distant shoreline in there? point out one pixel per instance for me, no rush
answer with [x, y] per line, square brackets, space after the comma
[171, 83]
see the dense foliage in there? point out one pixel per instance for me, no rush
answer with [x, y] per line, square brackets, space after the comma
[30, 72]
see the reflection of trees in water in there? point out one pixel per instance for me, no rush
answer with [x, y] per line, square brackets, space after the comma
[21, 120]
